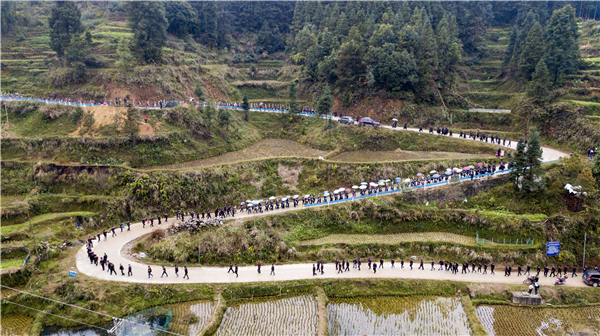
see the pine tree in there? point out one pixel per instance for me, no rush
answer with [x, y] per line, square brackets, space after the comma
[210, 23]
[342, 28]
[533, 175]
[199, 92]
[131, 125]
[586, 180]
[88, 37]
[449, 49]
[224, 117]
[596, 169]
[149, 25]
[562, 51]
[517, 164]
[246, 106]
[539, 86]
[209, 114]
[292, 96]
[181, 17]
[9, 19]
[532, 51]
[76, 55]
[65, 22]
[350, 64]
[325, 102]
[126, 59]
[426, 52]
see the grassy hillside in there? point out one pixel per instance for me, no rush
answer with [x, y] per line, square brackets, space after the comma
[42, 132]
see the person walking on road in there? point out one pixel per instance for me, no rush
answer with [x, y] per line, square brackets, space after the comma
[185, 273]
[122, 269]
[230, 268]
[164, 272]
[176, 271]
[259, 267]
[112, 268]
[273, 270]
[129, 272]
[236, 270]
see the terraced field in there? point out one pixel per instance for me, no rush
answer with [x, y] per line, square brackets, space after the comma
[355, 239]
[268, 148]
[189, 318]
[384, 156]
[289, 316]
[397, 316]
[501, 320]
[15, 324]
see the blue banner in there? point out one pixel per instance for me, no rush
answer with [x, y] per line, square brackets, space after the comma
[552, 248]
[72, 273]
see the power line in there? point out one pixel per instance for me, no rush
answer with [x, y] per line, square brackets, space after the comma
[62, 317]
[89, 310]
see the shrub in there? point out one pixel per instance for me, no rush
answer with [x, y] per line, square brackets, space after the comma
[157, 235]
[75, 115]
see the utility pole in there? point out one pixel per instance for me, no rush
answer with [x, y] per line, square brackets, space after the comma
[33, 236]
[584, 241]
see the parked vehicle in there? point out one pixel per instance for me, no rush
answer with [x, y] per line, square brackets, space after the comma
[346, 120]
[591, 277]
[369, 122]
[561, 281]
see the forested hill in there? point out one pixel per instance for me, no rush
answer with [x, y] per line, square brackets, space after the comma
[433, 53]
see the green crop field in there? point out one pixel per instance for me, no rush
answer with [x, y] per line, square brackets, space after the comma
[355, 239]
[504, 320]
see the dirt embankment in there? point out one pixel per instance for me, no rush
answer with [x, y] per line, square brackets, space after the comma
[376, 108]
[106, 115]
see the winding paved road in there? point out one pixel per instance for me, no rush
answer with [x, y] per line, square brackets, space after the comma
[114, 246]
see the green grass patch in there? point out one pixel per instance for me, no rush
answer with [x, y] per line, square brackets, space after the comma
[11, 263]
[49, 217]
[112, 34]
[355, 239]
[584, 103]
[532, 217]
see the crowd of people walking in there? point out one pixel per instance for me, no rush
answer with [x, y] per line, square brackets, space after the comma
[341, 266]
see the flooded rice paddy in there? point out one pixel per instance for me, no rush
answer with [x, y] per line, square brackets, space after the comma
[397, 316]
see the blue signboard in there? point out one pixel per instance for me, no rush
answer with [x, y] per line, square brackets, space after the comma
[72, 273]
[552, 248]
